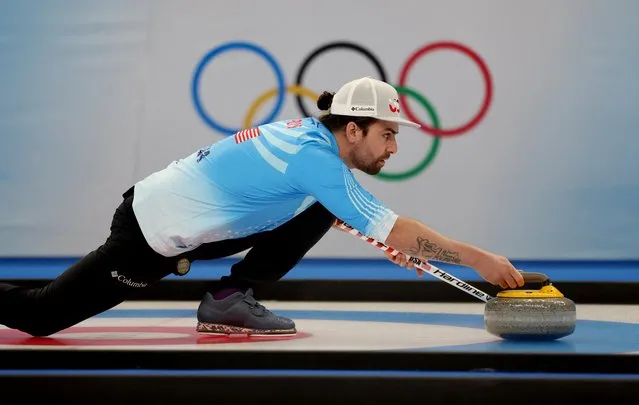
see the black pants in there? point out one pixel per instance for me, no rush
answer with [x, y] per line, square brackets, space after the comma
[125, 264]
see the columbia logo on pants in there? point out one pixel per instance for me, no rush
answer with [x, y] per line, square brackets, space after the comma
[122, 278]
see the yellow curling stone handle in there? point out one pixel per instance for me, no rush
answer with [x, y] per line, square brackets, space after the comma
[531, 277]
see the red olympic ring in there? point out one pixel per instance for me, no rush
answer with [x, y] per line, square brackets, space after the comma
[488, 88]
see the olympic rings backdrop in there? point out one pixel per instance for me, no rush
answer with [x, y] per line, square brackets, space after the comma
[299, 90]
[528, 146]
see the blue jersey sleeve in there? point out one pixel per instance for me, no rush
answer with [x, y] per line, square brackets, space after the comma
[323, 175]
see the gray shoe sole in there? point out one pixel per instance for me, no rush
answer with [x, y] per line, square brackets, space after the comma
[218, 329]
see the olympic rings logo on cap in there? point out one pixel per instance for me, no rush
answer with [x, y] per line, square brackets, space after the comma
[281, 89]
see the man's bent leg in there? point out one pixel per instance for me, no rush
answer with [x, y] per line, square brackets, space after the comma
[276, 252]
[273, 254]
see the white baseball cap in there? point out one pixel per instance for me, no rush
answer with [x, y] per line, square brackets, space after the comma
[368, 97]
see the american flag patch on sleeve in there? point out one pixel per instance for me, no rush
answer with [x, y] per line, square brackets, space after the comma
[246, 134]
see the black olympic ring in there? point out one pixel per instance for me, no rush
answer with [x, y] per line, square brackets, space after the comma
[327, 47]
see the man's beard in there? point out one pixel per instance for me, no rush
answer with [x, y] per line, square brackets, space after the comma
[369, 168]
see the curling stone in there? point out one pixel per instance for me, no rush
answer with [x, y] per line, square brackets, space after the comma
[532, 315]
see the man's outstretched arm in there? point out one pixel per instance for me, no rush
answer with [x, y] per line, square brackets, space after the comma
[416, 239]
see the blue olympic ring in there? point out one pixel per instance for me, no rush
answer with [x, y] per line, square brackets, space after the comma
[281, 86]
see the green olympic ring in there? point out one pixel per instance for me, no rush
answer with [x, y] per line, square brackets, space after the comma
[434, 146]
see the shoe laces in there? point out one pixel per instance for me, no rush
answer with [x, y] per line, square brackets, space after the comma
[253, 304]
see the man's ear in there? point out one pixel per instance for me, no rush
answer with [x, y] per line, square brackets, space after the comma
[351, 131]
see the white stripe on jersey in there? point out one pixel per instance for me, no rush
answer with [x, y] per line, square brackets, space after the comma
[350, 194]
[296, 133]
[270, 158]
[364, 202]
[286, 147]
[307, 201]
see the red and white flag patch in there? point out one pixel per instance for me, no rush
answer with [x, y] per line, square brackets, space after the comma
[246, 134]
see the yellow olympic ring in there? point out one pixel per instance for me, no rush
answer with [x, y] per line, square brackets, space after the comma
[297, 90]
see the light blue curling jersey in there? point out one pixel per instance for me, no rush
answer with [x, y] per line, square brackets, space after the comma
[252, 182]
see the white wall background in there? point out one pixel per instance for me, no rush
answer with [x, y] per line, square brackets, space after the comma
[97, 94]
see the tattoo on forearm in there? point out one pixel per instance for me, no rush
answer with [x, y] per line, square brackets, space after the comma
[430, 251]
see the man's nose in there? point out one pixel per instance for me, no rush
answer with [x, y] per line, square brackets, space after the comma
[393, 146]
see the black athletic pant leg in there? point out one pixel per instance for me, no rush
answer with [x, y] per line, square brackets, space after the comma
[273, 253]
[99, 281]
